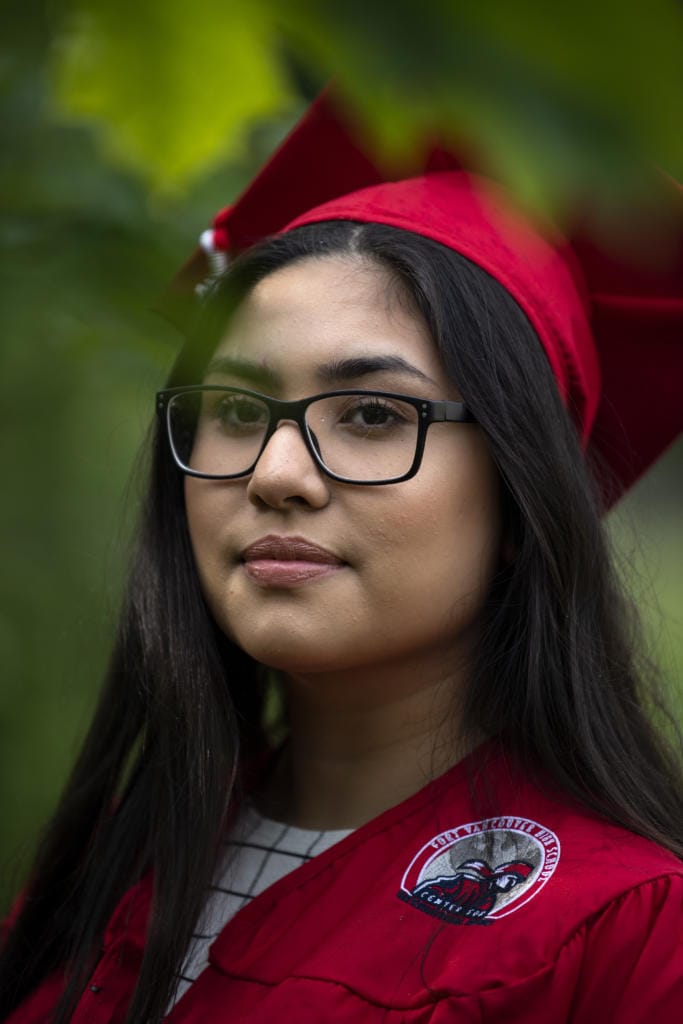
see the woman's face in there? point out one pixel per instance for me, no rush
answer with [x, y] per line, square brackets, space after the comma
[409, 564]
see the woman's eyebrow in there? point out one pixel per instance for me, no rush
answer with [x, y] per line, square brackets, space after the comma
[251, 373]
[333, 373]
[340, 371]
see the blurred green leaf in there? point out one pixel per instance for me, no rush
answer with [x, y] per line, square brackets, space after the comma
[171, 86]
[560, 103]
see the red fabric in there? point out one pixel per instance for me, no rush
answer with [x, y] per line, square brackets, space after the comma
[610, 318]
[597, 937]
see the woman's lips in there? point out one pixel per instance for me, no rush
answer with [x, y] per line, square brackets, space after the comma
[287, 574]
[288, 561]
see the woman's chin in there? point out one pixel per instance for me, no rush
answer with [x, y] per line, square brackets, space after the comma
[294, 661]
[297, 655]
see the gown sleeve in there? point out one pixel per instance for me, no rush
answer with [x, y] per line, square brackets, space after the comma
[624, 965]
[630, 968]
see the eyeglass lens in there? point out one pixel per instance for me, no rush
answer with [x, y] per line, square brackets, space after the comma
[362, 437]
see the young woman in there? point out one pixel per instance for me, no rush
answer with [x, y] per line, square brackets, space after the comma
[375, 742]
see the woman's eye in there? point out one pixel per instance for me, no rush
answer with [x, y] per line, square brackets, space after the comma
[240, 413]
[372, 415]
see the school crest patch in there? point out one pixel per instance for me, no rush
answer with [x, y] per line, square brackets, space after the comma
[482, 871]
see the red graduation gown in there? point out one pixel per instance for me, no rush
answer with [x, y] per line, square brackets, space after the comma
[436, 911]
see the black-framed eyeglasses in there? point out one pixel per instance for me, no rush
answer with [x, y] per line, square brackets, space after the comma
[355, 436]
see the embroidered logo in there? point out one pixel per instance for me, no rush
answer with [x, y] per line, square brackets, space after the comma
[480, 872]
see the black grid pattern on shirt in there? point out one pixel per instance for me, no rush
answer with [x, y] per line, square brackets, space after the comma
[237, 850]
[279, 848]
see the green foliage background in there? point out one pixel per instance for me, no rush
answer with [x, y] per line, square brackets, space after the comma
[123, 127]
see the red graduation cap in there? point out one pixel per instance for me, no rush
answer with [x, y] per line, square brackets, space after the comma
[611, 325]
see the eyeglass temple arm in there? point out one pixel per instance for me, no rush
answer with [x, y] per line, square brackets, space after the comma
[449, 412]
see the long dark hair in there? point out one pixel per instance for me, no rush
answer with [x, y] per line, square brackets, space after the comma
[181, 710]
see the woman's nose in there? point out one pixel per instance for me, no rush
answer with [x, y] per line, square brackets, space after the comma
[286, 472]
